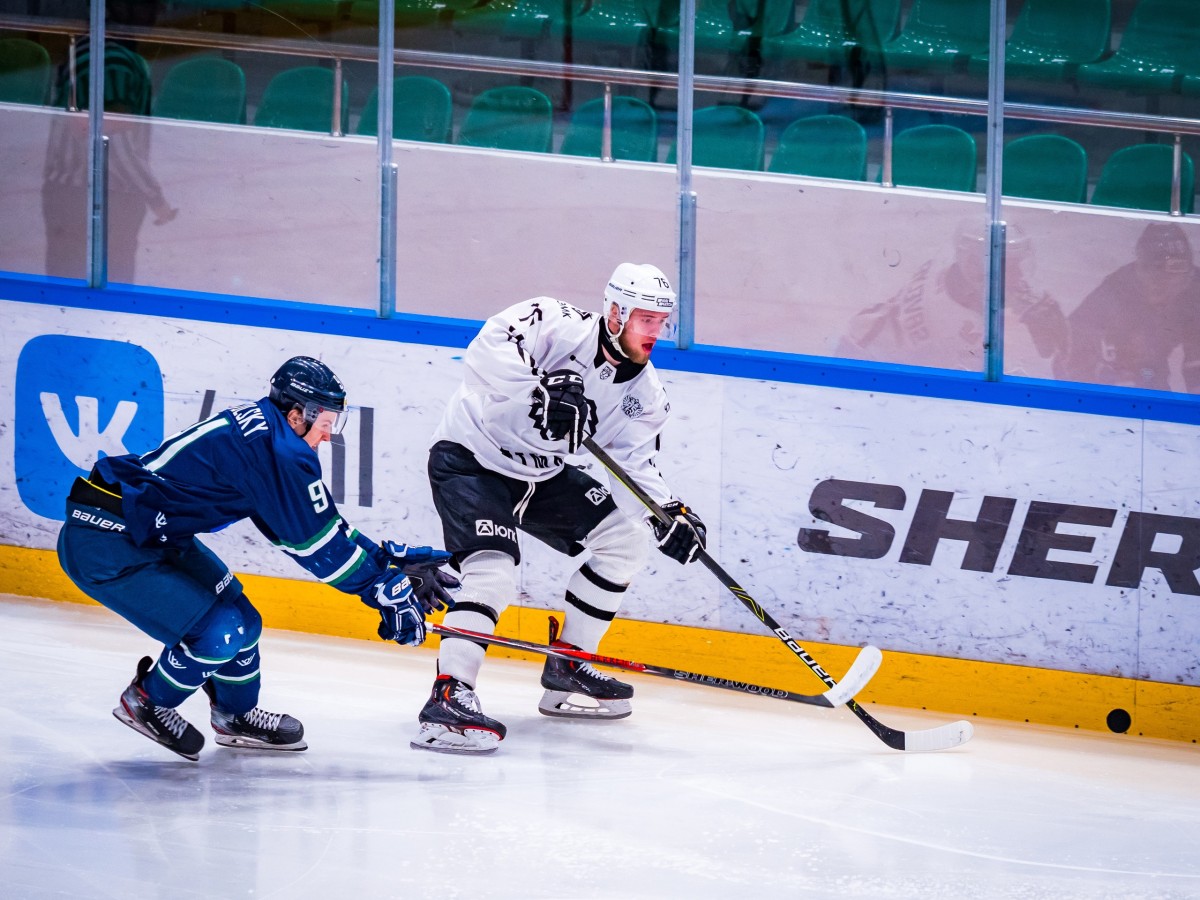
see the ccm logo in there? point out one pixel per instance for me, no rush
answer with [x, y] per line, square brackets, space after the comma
[488, 528]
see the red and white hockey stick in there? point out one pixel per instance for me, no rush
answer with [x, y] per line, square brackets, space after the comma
[865, 665]
[940, 738]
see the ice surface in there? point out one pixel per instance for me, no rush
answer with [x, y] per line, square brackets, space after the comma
[701, 793]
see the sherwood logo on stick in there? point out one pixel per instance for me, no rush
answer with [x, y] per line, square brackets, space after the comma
[1168, 543]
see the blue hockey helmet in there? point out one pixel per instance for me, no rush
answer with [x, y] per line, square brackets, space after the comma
[310, 386]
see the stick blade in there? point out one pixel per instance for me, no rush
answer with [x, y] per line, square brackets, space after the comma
[952, 734]
[866, 664]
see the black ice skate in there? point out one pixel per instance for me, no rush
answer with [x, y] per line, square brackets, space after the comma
[161, 724]
[256, 729]
[452, 721]
[607, 697]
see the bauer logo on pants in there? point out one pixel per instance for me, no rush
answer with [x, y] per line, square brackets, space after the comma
[78, 399]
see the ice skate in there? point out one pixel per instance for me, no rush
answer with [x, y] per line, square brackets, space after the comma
[452, 721]
[256, 729]
[577, 690]
[161, 724]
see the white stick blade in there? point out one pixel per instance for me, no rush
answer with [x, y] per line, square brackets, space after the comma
[866, 664]
[941, 738]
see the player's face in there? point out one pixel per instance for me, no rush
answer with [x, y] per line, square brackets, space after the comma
[642, 330]
[324, 427]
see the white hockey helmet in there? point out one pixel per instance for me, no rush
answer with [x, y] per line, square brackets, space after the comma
[639, 286]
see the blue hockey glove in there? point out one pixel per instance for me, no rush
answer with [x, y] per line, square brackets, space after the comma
[402, 618]
[684, 537]
[401, 554]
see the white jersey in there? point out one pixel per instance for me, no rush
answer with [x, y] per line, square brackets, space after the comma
[489, 414]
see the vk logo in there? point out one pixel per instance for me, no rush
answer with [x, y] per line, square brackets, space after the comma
[78, 399]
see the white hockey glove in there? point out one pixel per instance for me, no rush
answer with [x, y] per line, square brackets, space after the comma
[561, 411]
[684, 537]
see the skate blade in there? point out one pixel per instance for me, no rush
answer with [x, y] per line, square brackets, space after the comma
[122, 716]
[561, 705]
[441, 739]
[239, 742]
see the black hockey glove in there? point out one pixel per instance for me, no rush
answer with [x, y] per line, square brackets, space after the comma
[401, 617]
[561, 411]
[431, 585]
[684, 536]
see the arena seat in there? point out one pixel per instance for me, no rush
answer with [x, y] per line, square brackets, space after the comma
[302, 98]
[509, 118]
[1160, 46]
[634, 130]
[934, 156]
[940, 34]
[25, 72]
[525, 19]
[726, 137]
[1045, 167]
[203, 89]
[422, 110]
[832, 30]
[1139, 177]
[822, 147]
[1052, 38]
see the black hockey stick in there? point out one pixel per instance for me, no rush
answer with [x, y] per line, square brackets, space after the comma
[940, 738]
[856, 679]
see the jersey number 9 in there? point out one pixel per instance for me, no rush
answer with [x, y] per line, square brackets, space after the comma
[316, 490]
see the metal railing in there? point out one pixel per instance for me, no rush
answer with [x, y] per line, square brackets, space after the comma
[889, 101]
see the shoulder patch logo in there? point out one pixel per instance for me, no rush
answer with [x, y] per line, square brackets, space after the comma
[632, 407]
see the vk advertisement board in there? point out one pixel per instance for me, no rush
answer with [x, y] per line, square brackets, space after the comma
[78, 399]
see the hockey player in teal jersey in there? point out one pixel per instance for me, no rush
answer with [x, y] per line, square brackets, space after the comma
[129, 542]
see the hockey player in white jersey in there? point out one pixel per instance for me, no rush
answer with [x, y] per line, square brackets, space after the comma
[540, 377]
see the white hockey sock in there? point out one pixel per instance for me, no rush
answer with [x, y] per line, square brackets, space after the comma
[489, 582]
[591, 604]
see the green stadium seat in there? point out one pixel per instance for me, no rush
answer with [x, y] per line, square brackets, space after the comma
[726, 26]
[25, 72]
[934, 156]
[1052, 38]
[822, 147]
[408, 13]
[626, 23]
[833, 29]
[634, 130]
[1139, 177]
[1191, 85]
[940, 34]
[726, 137]
[1160, 46]
[302, 99]
[127, 83]
[524, 19]
[204, 89]
[422, 110]
[1045, 167]
[509, 118]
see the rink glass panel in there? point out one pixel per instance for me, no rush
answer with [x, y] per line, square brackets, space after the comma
[1103, 287]
[265, 205]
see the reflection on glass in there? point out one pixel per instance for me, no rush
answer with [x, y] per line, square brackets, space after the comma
[1140, 326]
[133, 190]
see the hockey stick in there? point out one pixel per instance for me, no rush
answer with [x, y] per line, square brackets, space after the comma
[854, 681]
[940, 738]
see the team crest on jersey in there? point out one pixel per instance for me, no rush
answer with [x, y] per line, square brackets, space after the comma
[606, 372]
[632, 407]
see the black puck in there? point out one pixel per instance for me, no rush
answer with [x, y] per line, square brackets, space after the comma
[1118, 721]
